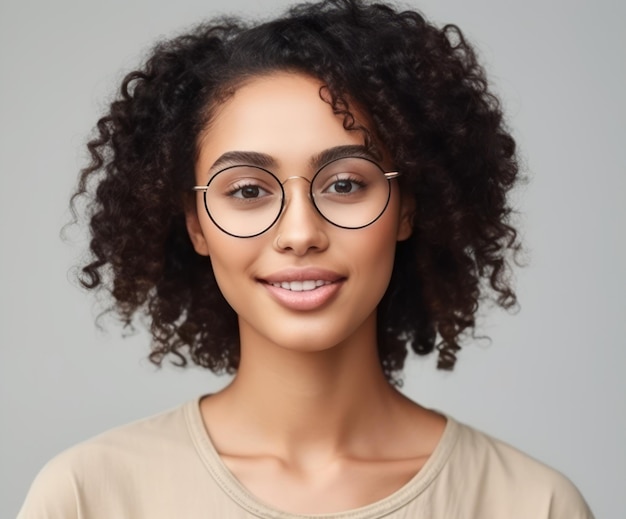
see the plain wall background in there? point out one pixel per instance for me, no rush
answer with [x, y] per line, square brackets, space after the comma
[551, 382]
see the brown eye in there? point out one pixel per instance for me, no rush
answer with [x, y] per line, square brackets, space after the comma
[250, 192]
[343, 186]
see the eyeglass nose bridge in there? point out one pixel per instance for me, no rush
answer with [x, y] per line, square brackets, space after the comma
[294, 177]
[282, 185]
[283, 204]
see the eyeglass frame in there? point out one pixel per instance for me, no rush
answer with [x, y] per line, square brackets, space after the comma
[389, 176]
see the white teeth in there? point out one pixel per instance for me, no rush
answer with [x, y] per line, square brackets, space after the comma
[301, 286]
[296, 286]
[308, 285]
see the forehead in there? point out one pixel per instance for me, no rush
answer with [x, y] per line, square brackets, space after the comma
[281, 115]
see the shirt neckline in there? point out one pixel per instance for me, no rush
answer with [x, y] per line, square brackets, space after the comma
[240, 495]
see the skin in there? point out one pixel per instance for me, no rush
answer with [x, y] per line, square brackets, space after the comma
[309, 424]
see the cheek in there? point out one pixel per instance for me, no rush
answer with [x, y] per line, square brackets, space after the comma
[372, 251]
[230, 259]
[230, 274]
[378, 248]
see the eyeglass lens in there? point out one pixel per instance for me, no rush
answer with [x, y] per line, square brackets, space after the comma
[245, 201]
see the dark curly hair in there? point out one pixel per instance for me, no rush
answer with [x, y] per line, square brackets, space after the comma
[430, 108]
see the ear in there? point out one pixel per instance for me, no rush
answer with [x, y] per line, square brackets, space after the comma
[407, 211]
[195, 230]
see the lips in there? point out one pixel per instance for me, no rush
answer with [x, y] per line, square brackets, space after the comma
[303, 289]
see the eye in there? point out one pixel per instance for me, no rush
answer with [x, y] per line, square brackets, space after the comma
[344, 186]
[248, 191]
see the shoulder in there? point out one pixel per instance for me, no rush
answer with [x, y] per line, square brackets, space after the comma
[142, 440]
[497, 476]
[107, 463]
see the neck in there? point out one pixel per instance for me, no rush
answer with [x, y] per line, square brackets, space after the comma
[309, 401]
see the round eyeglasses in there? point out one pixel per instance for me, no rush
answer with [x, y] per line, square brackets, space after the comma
[245, 201]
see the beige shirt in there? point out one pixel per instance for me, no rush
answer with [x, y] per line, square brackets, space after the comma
[166, 467]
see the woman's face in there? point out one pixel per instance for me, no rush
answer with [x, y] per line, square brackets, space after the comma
[304, 283]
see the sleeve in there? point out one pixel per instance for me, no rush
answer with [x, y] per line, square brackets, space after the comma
[52, 495]
[499, 481]
[567, 502]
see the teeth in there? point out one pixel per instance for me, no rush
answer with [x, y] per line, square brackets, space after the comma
[301, 286]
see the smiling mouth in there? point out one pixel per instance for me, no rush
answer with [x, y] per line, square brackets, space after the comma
[301, 286]
[303, 289]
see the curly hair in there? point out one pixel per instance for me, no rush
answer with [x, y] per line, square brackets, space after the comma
[430, 108]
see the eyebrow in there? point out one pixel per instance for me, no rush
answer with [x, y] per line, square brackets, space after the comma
[249, 158]
[340, 152]
[263, 160]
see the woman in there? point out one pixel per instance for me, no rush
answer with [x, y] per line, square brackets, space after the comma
[297, 202]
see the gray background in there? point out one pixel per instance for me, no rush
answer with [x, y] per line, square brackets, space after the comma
[551, 381]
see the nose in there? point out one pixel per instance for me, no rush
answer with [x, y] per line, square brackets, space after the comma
[300, 228]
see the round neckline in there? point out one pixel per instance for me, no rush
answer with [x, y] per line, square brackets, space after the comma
[246, 500]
